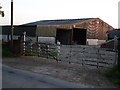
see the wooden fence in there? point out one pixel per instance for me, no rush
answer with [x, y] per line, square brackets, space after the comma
[40, 50]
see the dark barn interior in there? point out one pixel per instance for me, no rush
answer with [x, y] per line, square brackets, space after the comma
[79, 36]
[64, 36]
[71, 36]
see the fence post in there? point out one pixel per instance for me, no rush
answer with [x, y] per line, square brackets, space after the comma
[98, 57]
[39, 49]
[31, 48]
[83, 60]
[24, 35]
[118, 54]
[70, 54]
[58, 49]
[116, 48]
[48, 51]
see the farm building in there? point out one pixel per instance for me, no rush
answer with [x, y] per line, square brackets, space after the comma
[68, 31]
[113, 33]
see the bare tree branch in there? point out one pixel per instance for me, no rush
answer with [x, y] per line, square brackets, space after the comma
[2, 12]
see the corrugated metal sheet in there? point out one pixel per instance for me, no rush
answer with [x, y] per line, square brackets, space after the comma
[18, 30]
[6, 30]
[30, 30]
[46, 31]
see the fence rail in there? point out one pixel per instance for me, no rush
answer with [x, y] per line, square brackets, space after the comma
[40, 49]
[85, 55]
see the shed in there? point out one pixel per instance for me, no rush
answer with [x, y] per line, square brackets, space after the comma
[113, 33]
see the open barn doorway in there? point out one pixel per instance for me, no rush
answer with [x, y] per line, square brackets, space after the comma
[79, 36]
[64, 36]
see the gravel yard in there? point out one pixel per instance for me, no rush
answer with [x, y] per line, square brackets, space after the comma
[63, 70]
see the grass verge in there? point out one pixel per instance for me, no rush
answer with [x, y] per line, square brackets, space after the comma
[114, 75]
[7, 52]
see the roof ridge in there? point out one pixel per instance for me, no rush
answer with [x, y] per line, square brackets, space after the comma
[67, 19]
[58, 21]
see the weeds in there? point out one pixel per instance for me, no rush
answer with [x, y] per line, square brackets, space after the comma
[7, 52]
[114, 75]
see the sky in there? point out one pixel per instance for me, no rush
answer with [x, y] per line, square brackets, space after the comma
[26, 11]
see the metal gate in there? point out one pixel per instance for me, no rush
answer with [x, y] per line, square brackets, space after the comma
[84, 55]
[87, 55]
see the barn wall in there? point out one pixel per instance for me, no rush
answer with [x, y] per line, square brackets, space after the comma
[30, 30]
[46, 31]
[6, 30]
[18, 30]
[96, 29]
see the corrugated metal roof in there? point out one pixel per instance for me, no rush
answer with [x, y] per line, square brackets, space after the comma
[58, 22]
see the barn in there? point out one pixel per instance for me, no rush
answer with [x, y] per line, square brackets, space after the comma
[68, 31]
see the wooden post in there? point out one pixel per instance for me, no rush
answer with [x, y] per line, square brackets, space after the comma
[48, 51]
[21, 44]
[39, 49]
[8, 37]
[12, 23]
[37, 39]
[58, 49]
[31, 51]
[24, 42]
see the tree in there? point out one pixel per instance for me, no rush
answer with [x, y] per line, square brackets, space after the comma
[1, 12]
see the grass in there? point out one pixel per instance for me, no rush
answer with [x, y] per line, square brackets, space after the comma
[7, 52]
[114, 75]
[43, 53]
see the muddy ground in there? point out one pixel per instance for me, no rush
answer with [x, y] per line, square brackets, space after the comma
[72, 72]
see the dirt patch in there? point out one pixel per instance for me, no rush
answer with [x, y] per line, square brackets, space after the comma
[63, 70]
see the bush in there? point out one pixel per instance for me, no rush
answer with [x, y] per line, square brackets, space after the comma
[7, 52]
[114, 75]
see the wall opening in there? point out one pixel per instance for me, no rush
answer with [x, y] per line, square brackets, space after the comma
[79, 36]
[64, 36]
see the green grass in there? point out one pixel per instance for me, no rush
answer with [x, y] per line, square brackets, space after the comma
[51, 54]
[114, 75]
[7, 52]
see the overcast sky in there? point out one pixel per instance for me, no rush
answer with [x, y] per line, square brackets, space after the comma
[34, 10]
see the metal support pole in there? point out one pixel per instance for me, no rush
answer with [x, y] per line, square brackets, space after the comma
[116, 48]
[98, 52]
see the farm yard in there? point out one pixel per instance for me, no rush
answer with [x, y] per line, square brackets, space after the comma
[88, 75]
[73, 63]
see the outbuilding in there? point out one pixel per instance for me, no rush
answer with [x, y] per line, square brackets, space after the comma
[113, 33]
